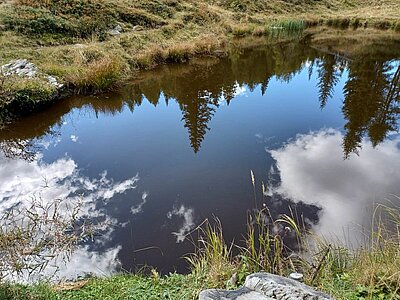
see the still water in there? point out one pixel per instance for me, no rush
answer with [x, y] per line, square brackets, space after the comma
[176, 146]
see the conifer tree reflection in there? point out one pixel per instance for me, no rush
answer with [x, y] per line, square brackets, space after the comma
[371, 105]
[196, 115]
[329, 73]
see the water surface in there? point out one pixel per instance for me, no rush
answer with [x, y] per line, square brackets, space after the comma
[176, 146]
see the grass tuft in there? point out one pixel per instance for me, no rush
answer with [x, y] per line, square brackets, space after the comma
[96, 76]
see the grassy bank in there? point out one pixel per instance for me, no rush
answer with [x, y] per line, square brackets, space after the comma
[72, 39]
[368, 272]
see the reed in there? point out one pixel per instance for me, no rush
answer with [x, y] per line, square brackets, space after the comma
[285, 245]
[288, 25]
[213, 258]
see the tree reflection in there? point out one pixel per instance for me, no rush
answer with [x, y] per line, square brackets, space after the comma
[371, 96]
[370, 104]
[200, 87]
[16, 148]
[330, 69]
[196, 115]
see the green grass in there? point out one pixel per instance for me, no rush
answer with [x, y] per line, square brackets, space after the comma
[135, 287]
[370, 272]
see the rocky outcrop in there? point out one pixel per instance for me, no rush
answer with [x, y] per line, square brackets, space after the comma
[265, 286]
[24, 68]
[25, 88]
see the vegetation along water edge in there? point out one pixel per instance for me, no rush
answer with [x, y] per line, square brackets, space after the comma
[78, 46]
[279, 246]
[54, 48]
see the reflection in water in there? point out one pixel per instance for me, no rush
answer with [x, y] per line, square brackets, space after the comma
[255, 98]
[22, 180]
[313, 171]
[330, 69]
[370, 106]
[200, 87]
[372, 102]
[16, 148]
[188, 222]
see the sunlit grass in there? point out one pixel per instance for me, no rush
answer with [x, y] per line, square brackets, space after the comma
[98, 75]
[369, 272]
[54, 36]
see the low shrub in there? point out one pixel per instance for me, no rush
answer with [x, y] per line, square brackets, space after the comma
[382, 25]
[240, 29]
[65, 19]
[149, 57]
[158, 8]
[40, 21]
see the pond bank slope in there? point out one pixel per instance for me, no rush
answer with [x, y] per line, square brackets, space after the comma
[89, 46]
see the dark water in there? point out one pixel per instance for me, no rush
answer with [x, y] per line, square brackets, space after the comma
[176, 146]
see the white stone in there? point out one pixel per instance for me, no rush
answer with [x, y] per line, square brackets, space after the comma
[265, 286]
[23, 68]
[296, 276]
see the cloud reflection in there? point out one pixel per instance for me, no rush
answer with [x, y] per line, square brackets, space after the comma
[21, 181]
[312, 170]
[80, 263]
[139, 207]
[188, 221]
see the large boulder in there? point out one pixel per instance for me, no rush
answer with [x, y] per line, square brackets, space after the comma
[265, 286]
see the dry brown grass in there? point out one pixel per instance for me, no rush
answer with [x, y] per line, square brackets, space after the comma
[259, 31]
[88, 59]
[98, 75]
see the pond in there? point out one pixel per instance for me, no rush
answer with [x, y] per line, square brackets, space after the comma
[318, 127]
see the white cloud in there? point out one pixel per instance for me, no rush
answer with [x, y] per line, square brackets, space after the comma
[46, 142]
[74, 138]
[139, 208]
[80, 263]
[21, 181]
[188, 222]
[312, 170]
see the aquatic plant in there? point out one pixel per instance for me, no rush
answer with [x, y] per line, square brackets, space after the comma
[287, 25]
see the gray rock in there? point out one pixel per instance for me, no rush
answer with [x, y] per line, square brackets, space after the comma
[296, 276]
[241, 294]
[137, 28]
[24, 68]
[20, 67]
[19, 64]
[115, 31]
[265, 286]
[53, 81]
